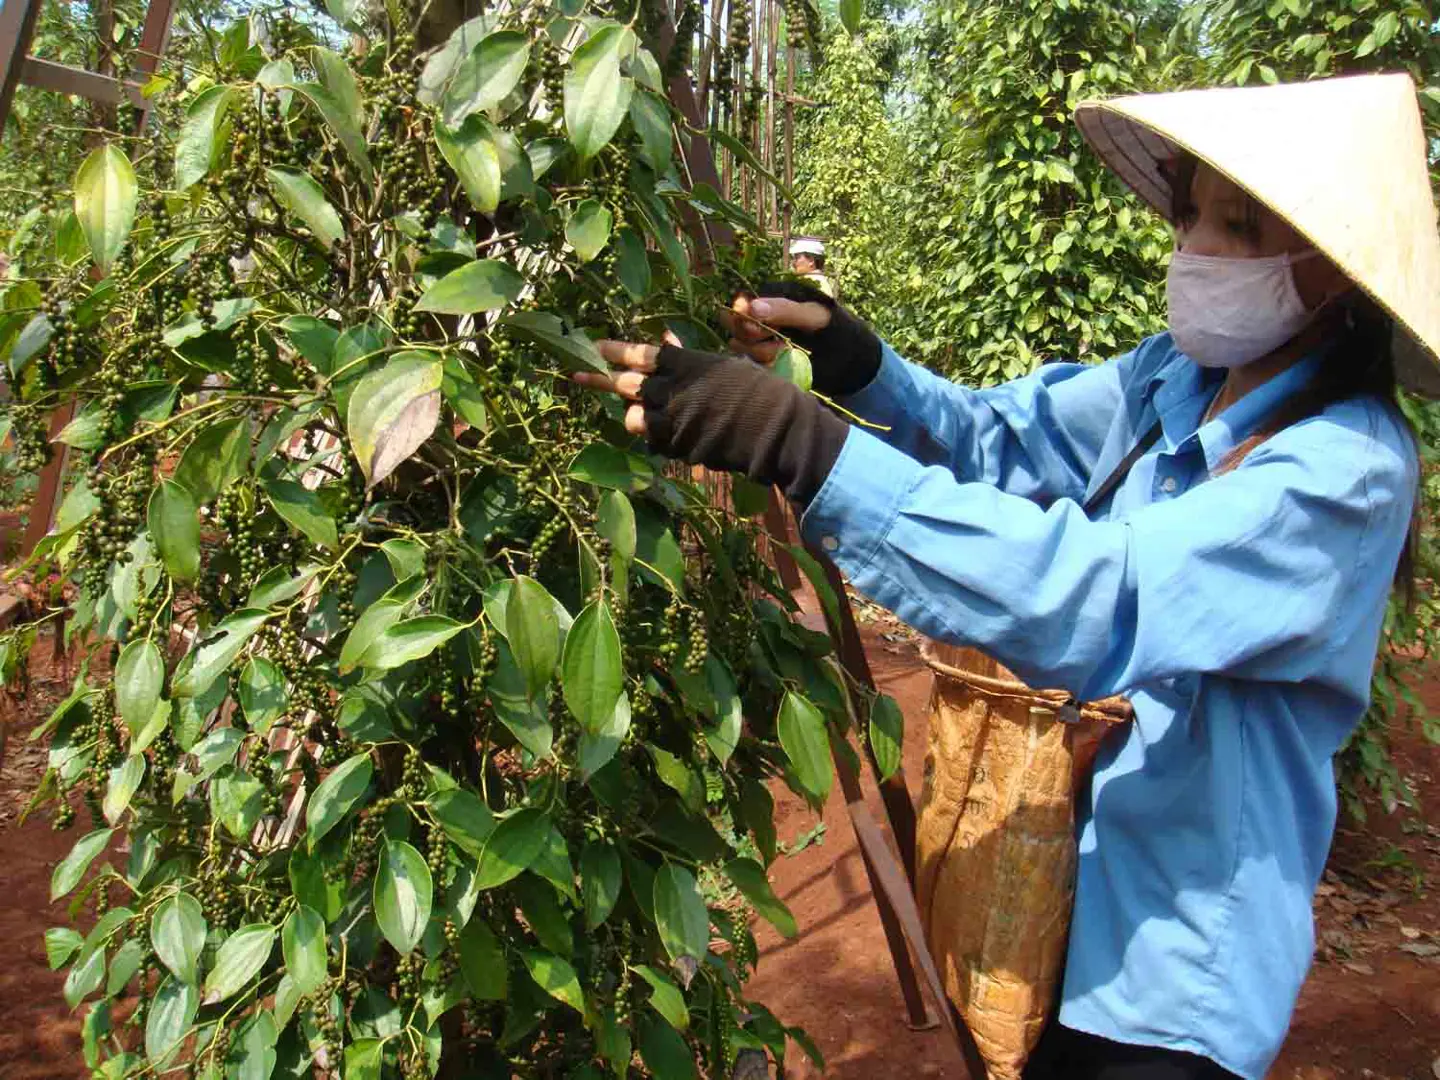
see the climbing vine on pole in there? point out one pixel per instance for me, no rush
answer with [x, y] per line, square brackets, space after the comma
[434, 716]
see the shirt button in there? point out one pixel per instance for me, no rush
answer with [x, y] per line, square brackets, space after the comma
[829, 543]
[1169, 485]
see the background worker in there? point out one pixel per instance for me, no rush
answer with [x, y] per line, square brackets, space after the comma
[807, 258]
[1209, 524]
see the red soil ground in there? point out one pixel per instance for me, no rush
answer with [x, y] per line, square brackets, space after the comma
[1370, 1009]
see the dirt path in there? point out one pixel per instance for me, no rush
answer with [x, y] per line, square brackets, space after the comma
[1370, 1009]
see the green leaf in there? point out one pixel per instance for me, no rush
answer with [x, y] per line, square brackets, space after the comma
[336, 796]
[544, 154]
[195, 148]
[314, 878]
[61, 943]
[471, 152]
[409, 640]
[174, 522]
[514, 845]
[215, 459]
[541, 909]
[483, 285]
[887, 734]
[123, 966]
[84, 432]
[298, 193]
[252, 1053]
[217, 750]
[592, 669]
[34, 337]
[680, 913]
[596, 751]
[303, 510]
[806, 743]
[466, 820]
[123, 783]
[632, 263]
[364, 1059]
[793, 365]
[615, 521]
[313, 339]
[597, 95]
[555, 976]
[600, 879]
[566, 343]
[105, 198]
[72, 868]
[588, 228]
[373, 621]
[403, 895]
[485, 77]
[665, 996]
[346, 127]
[533, 632]
[609, 466]
[139, 678]
[749, 877]
[679, 777]
[340, 82]
[85, 977]
[393, 411]
[656, 546]
[482, 961]
[729, 709]
[650, 117]
[302, 940]
[177, 933]
[239, 960]
[226, 641]
[262, 693]
[237, 801]
[662, 1048]
[168, 1019]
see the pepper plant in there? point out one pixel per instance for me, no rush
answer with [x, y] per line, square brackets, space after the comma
[424, 720]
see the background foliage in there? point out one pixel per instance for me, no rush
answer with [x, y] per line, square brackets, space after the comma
[1001, 242]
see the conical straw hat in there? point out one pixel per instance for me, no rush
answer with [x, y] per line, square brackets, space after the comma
[1342, 160]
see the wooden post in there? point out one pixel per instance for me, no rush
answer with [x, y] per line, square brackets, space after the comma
[790, 54]
[17, 29]
[770, 216]
[47, 494]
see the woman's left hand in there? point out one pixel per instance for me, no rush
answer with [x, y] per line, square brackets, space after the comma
[723, 412]
[633, 362]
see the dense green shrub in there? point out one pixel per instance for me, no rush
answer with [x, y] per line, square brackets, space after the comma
[434, 716]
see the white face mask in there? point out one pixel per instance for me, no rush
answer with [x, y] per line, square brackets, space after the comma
[1225, 313]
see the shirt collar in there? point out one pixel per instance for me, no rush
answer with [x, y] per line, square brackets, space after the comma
[1181, 394]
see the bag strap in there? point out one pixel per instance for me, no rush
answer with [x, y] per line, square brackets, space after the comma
[1122, 470]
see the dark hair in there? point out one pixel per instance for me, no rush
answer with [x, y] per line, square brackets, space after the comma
[818, 260]
[1361, 363]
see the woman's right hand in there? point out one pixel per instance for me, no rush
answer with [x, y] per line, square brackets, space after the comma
[844, 352]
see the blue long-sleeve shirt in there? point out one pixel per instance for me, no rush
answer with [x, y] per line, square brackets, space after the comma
[1239, 611]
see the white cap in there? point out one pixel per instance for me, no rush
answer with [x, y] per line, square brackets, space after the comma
[806, 245]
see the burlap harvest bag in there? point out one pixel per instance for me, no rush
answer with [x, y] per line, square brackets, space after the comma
[995, 843]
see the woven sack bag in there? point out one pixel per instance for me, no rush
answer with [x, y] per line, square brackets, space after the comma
[996, 855]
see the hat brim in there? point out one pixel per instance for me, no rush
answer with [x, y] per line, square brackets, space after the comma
[1137, 154]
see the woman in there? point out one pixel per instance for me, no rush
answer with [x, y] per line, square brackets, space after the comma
[1209, 525]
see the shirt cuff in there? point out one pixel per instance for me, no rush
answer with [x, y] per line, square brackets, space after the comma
[880, 393]
[854, 510]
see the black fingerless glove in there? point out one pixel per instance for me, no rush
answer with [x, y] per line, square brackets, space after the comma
[730, 414]
[846, 353]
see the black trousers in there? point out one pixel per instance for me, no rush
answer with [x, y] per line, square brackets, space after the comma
[1067, 1054]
